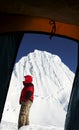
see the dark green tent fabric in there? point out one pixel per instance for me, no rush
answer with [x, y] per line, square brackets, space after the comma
[9, 44]
[72, 117]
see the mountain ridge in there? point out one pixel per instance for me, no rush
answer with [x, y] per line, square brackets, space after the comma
[53, 82]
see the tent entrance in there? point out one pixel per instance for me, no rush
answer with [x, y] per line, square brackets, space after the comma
[57, 45]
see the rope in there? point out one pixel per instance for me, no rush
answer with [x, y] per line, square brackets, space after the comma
[53, 30]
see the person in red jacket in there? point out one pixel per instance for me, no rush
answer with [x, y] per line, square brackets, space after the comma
[26, 100]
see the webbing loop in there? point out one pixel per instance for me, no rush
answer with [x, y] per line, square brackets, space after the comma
[53, 30]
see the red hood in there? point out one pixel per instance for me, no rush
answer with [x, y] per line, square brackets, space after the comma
[28, 79]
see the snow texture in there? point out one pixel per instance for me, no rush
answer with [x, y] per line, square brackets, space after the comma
[53, 83]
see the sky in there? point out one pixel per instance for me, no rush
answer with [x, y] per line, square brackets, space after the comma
[65, 48]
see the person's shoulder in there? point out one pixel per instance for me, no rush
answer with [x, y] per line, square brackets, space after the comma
[29, 84]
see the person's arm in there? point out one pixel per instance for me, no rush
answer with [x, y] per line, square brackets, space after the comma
[29, 94]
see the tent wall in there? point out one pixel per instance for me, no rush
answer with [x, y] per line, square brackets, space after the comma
[9, 44]
[72, 117]
[65, 11]
[28, 23]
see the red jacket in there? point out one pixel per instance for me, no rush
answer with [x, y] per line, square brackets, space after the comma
[27, 92]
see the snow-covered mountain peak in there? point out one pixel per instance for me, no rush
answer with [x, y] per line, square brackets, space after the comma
[40, 57]
[53, 82]
[46, 54]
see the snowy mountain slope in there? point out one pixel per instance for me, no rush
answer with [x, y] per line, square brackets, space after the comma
[53, 82]
[12, 126]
